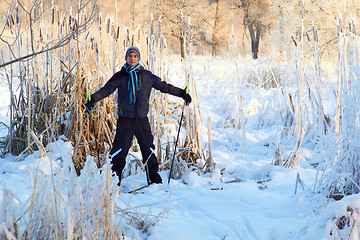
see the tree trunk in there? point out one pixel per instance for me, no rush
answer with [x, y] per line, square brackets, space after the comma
[215, 39]
[255, 33]
[182, 44]
[254, 48]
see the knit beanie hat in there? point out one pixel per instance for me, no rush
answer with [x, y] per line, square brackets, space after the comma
[130, 50]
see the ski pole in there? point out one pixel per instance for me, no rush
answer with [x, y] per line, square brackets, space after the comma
[177, 138]
[93, 123]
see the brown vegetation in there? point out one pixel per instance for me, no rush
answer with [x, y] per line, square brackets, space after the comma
[60, 61]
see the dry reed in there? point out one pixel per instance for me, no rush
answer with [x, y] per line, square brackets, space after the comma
[57, 64]
[54, 82]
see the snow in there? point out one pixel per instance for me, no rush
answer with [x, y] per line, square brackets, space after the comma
[246, 196]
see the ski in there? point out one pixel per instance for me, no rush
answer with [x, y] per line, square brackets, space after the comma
[137, 189]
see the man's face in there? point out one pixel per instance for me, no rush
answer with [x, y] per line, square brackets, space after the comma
[132, 59]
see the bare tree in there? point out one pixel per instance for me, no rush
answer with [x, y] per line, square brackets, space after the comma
[217, 26]
[173, 13]
[257, 18]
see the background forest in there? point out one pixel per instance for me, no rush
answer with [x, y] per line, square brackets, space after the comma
[267, 26]
[272, 23]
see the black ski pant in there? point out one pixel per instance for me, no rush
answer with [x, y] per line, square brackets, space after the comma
[126, 128]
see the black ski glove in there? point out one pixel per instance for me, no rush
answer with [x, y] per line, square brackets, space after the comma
[89, 105]
[186, 97]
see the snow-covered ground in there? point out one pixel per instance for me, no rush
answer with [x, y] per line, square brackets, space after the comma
[246, 197]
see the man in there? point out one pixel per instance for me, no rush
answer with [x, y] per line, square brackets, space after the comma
[134, 85]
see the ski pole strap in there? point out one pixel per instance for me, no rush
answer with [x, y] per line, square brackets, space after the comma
[89, 97]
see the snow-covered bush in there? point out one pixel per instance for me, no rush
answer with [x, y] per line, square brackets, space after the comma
[342, 171]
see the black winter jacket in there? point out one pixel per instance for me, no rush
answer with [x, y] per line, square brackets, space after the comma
[140, 108]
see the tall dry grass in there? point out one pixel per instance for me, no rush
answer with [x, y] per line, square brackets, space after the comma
[60, 56]
[54, 84]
